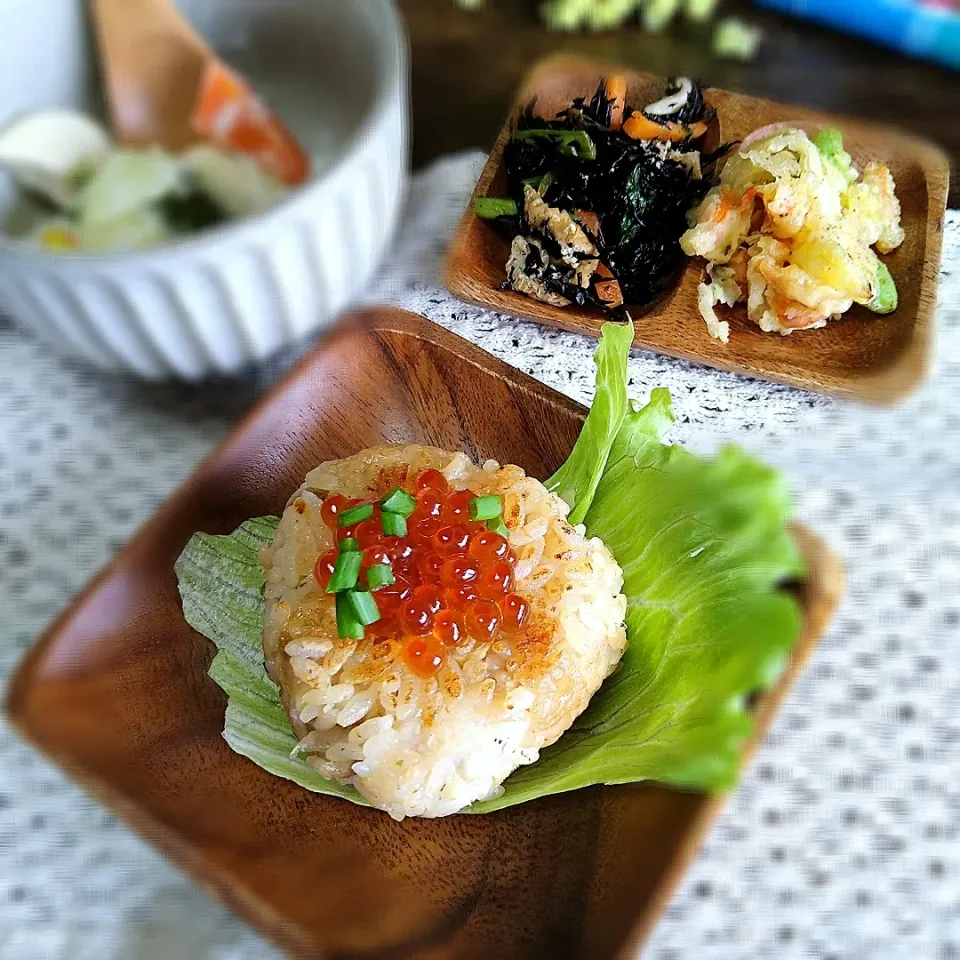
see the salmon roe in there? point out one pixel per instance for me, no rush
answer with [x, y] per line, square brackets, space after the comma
[453, 578]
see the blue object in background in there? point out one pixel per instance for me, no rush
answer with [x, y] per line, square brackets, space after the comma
[918, 29]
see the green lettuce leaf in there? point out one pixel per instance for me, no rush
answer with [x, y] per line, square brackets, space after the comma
[577, 479]
[705, 549]
[221, 586]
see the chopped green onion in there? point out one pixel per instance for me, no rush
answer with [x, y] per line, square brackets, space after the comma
[399, 501]
[485, 508]
[489, 208]
[362, 511]
[394, 524]
[496, 525]
[348, 626]
[363, 605]
[574, 143]
[540, 184]
[345, 571]
[380, 575]
[349, 545]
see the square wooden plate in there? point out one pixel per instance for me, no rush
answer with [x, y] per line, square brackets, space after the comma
[874, 359]
[117, 693]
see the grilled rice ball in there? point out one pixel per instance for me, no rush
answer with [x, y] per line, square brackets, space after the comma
[425, 722]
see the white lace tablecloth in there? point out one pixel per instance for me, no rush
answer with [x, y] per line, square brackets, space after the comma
[843, 840]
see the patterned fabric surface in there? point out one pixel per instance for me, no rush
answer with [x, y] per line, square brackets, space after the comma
[843, 840]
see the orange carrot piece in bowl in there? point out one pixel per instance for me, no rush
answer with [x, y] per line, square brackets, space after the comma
[230, 114]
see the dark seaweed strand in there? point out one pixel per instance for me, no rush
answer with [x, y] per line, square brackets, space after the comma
[600, 105]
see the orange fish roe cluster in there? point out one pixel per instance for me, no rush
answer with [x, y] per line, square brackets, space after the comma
[453, 577]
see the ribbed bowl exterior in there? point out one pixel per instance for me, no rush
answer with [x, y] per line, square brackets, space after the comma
[237, 295]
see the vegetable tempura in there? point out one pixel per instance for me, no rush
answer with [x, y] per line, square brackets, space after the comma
[789, 231]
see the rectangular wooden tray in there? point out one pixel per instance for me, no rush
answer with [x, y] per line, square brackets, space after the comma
[117, 693]
[871, 358]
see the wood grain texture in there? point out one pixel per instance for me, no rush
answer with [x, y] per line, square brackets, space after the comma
[874, 359]
[116, 692]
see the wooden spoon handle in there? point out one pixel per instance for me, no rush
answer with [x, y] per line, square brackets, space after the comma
[152, 64]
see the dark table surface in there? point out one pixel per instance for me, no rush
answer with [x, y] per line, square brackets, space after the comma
[467, 65]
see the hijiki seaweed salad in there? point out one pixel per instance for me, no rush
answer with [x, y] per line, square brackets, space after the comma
[598, 196]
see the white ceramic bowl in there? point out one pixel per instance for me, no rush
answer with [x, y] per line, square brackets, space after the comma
[223, 299]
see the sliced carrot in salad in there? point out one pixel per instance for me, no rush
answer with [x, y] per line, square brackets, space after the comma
[615, 91]
[606, 287]
[640, 127]
[230, 114]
